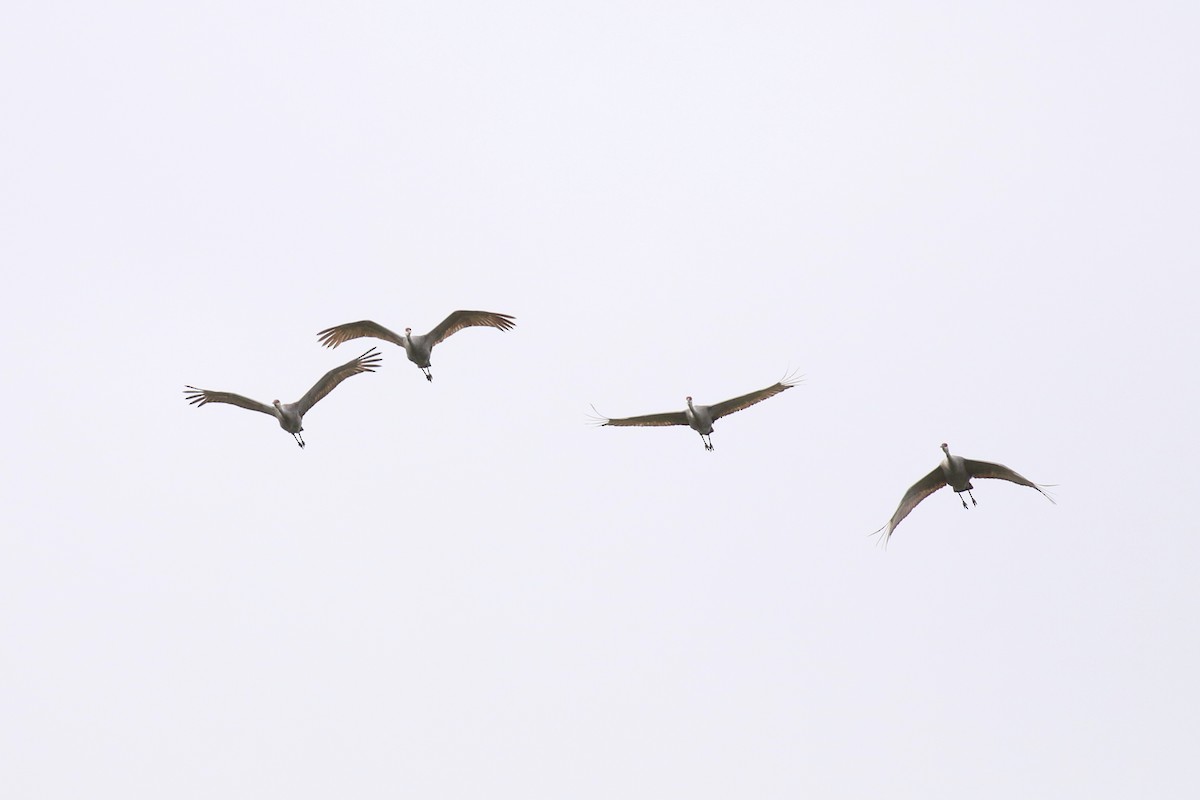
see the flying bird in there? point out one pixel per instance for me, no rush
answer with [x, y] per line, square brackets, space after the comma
[701, 418]
[290, 415]
[955, 472]
[417, 347]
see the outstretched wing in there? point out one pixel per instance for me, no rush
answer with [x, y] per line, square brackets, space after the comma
[727, 407]
[367, 362]
[332, 337]
[466, 319]
[646, 420]
[915, 494]
[986, 469]
[199, 397]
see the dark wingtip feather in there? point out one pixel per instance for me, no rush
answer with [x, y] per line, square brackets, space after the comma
[599, 420]
[369, 360]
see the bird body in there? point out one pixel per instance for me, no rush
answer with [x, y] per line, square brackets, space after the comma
[418, 347]
[955, 472]
[701, 418]
[290, 418]
[290, 415]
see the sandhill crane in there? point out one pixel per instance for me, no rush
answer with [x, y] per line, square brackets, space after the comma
[701, 418]
[290, 415]
[956, 472]
[417, 347]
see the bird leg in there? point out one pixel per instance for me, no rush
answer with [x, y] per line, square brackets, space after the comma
[299, 439]
[428, 374]
[964, 502]
[708, 445]
[972, 498]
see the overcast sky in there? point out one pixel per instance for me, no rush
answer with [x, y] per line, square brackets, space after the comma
[965, 223]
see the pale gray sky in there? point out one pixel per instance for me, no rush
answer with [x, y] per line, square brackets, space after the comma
[965, 224]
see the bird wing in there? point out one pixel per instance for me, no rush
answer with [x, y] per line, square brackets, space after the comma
[367, 362]
[466, 319]
[727, 407]
[651, 420]
[332, 337]
[986, 469]
[199, 397]
[915, 494]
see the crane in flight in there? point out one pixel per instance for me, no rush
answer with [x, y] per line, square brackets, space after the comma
[417, 347]
[291, 415]
[955, 472]
[700, 418]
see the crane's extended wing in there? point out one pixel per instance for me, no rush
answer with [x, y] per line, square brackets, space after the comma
[332, 337]
[727, 407]
[986, 469]
[367, 362]
[915, 494]
[199, 397]
[650, 420]
[466, 319]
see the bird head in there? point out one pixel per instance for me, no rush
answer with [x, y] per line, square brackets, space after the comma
[275, 403]
[408, 331]
[688, 399]
[945, 448]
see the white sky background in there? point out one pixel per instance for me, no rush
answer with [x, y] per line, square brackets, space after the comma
[965, 225]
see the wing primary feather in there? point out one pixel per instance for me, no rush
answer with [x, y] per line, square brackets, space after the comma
[367, 362]
[988, 469]
[916, 493]
[455, 321]
[649, 420]
[735, 404]
[201, 397]
[339, 334]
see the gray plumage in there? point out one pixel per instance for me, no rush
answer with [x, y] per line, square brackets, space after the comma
[418, 348]
[701, 418]
[291, 415]
[955, 472]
